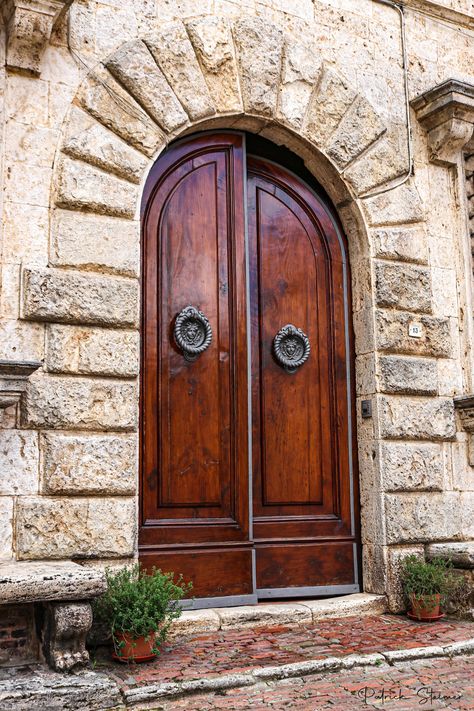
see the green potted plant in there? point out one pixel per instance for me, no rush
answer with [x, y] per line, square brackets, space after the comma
[139, 607]
[427, 586]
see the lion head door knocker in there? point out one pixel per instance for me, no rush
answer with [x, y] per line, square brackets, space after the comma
[291, 348]
[192, 332]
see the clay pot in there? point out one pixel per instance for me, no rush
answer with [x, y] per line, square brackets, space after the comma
[426, 607]
[134, 649]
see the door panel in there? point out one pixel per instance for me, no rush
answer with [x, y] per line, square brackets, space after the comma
[301, 445]
[195, 413]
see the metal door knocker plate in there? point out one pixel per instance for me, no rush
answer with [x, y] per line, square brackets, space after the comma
[291, 347]
[192, 332]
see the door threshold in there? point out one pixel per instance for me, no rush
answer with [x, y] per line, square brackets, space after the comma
[266, 614]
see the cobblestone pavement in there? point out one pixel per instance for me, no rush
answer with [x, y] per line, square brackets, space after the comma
[425, 684]
[235, 651]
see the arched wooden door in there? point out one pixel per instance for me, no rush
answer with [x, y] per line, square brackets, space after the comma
[248, 484]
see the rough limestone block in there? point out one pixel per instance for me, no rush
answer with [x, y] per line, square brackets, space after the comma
[259, 49]
[6, 526]
[134, 67]
[99, 242]
[84, 186]
[418, 376]
[214, 47]
[359, 128]
[174, 54]
[391, 333]
[406, 466]
[89, 141]
[467, 513]
[301, 67]
[461, 554]
[109, 103]
[404, 244]
[384, 161]
[54, 295]
[416, 418]
[395, 554]
[21, 341]
[19, 462]
[88, 464]
[36, 581]
[420, 518]
[92, 351]
[330, 100]
[398, 206]
[75, 528]
[263, 615]
[59, 402]
[404, 287]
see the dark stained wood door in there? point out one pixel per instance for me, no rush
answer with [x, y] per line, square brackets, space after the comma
[277, 520]
[303, 516]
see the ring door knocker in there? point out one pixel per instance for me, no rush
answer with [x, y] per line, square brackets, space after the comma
[192, 332]
[291, 348]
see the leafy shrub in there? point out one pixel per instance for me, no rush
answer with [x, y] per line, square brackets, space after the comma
[422, 579]
[140, 603]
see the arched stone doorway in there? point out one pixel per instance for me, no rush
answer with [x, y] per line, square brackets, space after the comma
[248, 481]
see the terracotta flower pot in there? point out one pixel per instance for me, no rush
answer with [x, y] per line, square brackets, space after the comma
[425, 607]
[129, 648]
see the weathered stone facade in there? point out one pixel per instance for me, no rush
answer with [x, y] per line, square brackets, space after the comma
[116, 83]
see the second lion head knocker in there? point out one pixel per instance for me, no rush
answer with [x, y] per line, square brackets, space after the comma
[192, 332]
[291, 347]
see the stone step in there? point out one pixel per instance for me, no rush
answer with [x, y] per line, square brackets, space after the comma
[296, 612]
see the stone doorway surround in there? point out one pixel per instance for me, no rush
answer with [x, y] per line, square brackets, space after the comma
[245, 75]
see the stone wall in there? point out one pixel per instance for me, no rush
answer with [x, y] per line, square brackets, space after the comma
[325, 78]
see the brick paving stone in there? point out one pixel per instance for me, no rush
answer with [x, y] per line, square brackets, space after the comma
[424, 684]
[235, 651]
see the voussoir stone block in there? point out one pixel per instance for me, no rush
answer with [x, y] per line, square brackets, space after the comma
[301, 67]
[174, 54]
[408, 466]
[404, 244]
[89, 141]
[401, 205]
[36, 581]
[70, 297]
[418, 376]
[88, 464]
[134, 67]
[413, 518]
[404, 287]
[92, 351]
[416, 418]
[97, 242]
[382, 162]
[392, 334]
[331, 98]
[75, 527]
[110, 104]
[259, 50]
[19, 461]
[214, 47]
[83, 186]
[59, 402]
[359, 128]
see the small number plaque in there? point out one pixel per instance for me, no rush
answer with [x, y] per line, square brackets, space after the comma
[415, 329]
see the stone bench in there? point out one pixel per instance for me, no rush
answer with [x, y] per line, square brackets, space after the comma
[63, 590]
[461, 555]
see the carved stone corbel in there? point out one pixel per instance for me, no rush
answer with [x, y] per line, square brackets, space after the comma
[13, 380]
[64, 634]
[29, 24]
[465, 406]
[447, 114]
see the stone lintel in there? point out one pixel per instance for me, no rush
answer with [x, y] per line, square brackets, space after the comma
[465, 407]
[13, 379]
[446, 112]
[29, 24]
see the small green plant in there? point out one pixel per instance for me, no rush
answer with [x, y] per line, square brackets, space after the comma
[423, 580]
[140, 603]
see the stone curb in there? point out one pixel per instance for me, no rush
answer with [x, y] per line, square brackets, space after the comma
[155, 692]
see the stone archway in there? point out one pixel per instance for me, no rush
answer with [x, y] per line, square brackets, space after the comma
[206, 73]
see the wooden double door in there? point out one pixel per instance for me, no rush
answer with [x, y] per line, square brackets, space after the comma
[248, 486]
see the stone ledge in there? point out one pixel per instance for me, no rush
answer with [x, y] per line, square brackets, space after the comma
[41, 581]
[461, 554]
[13, 380]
